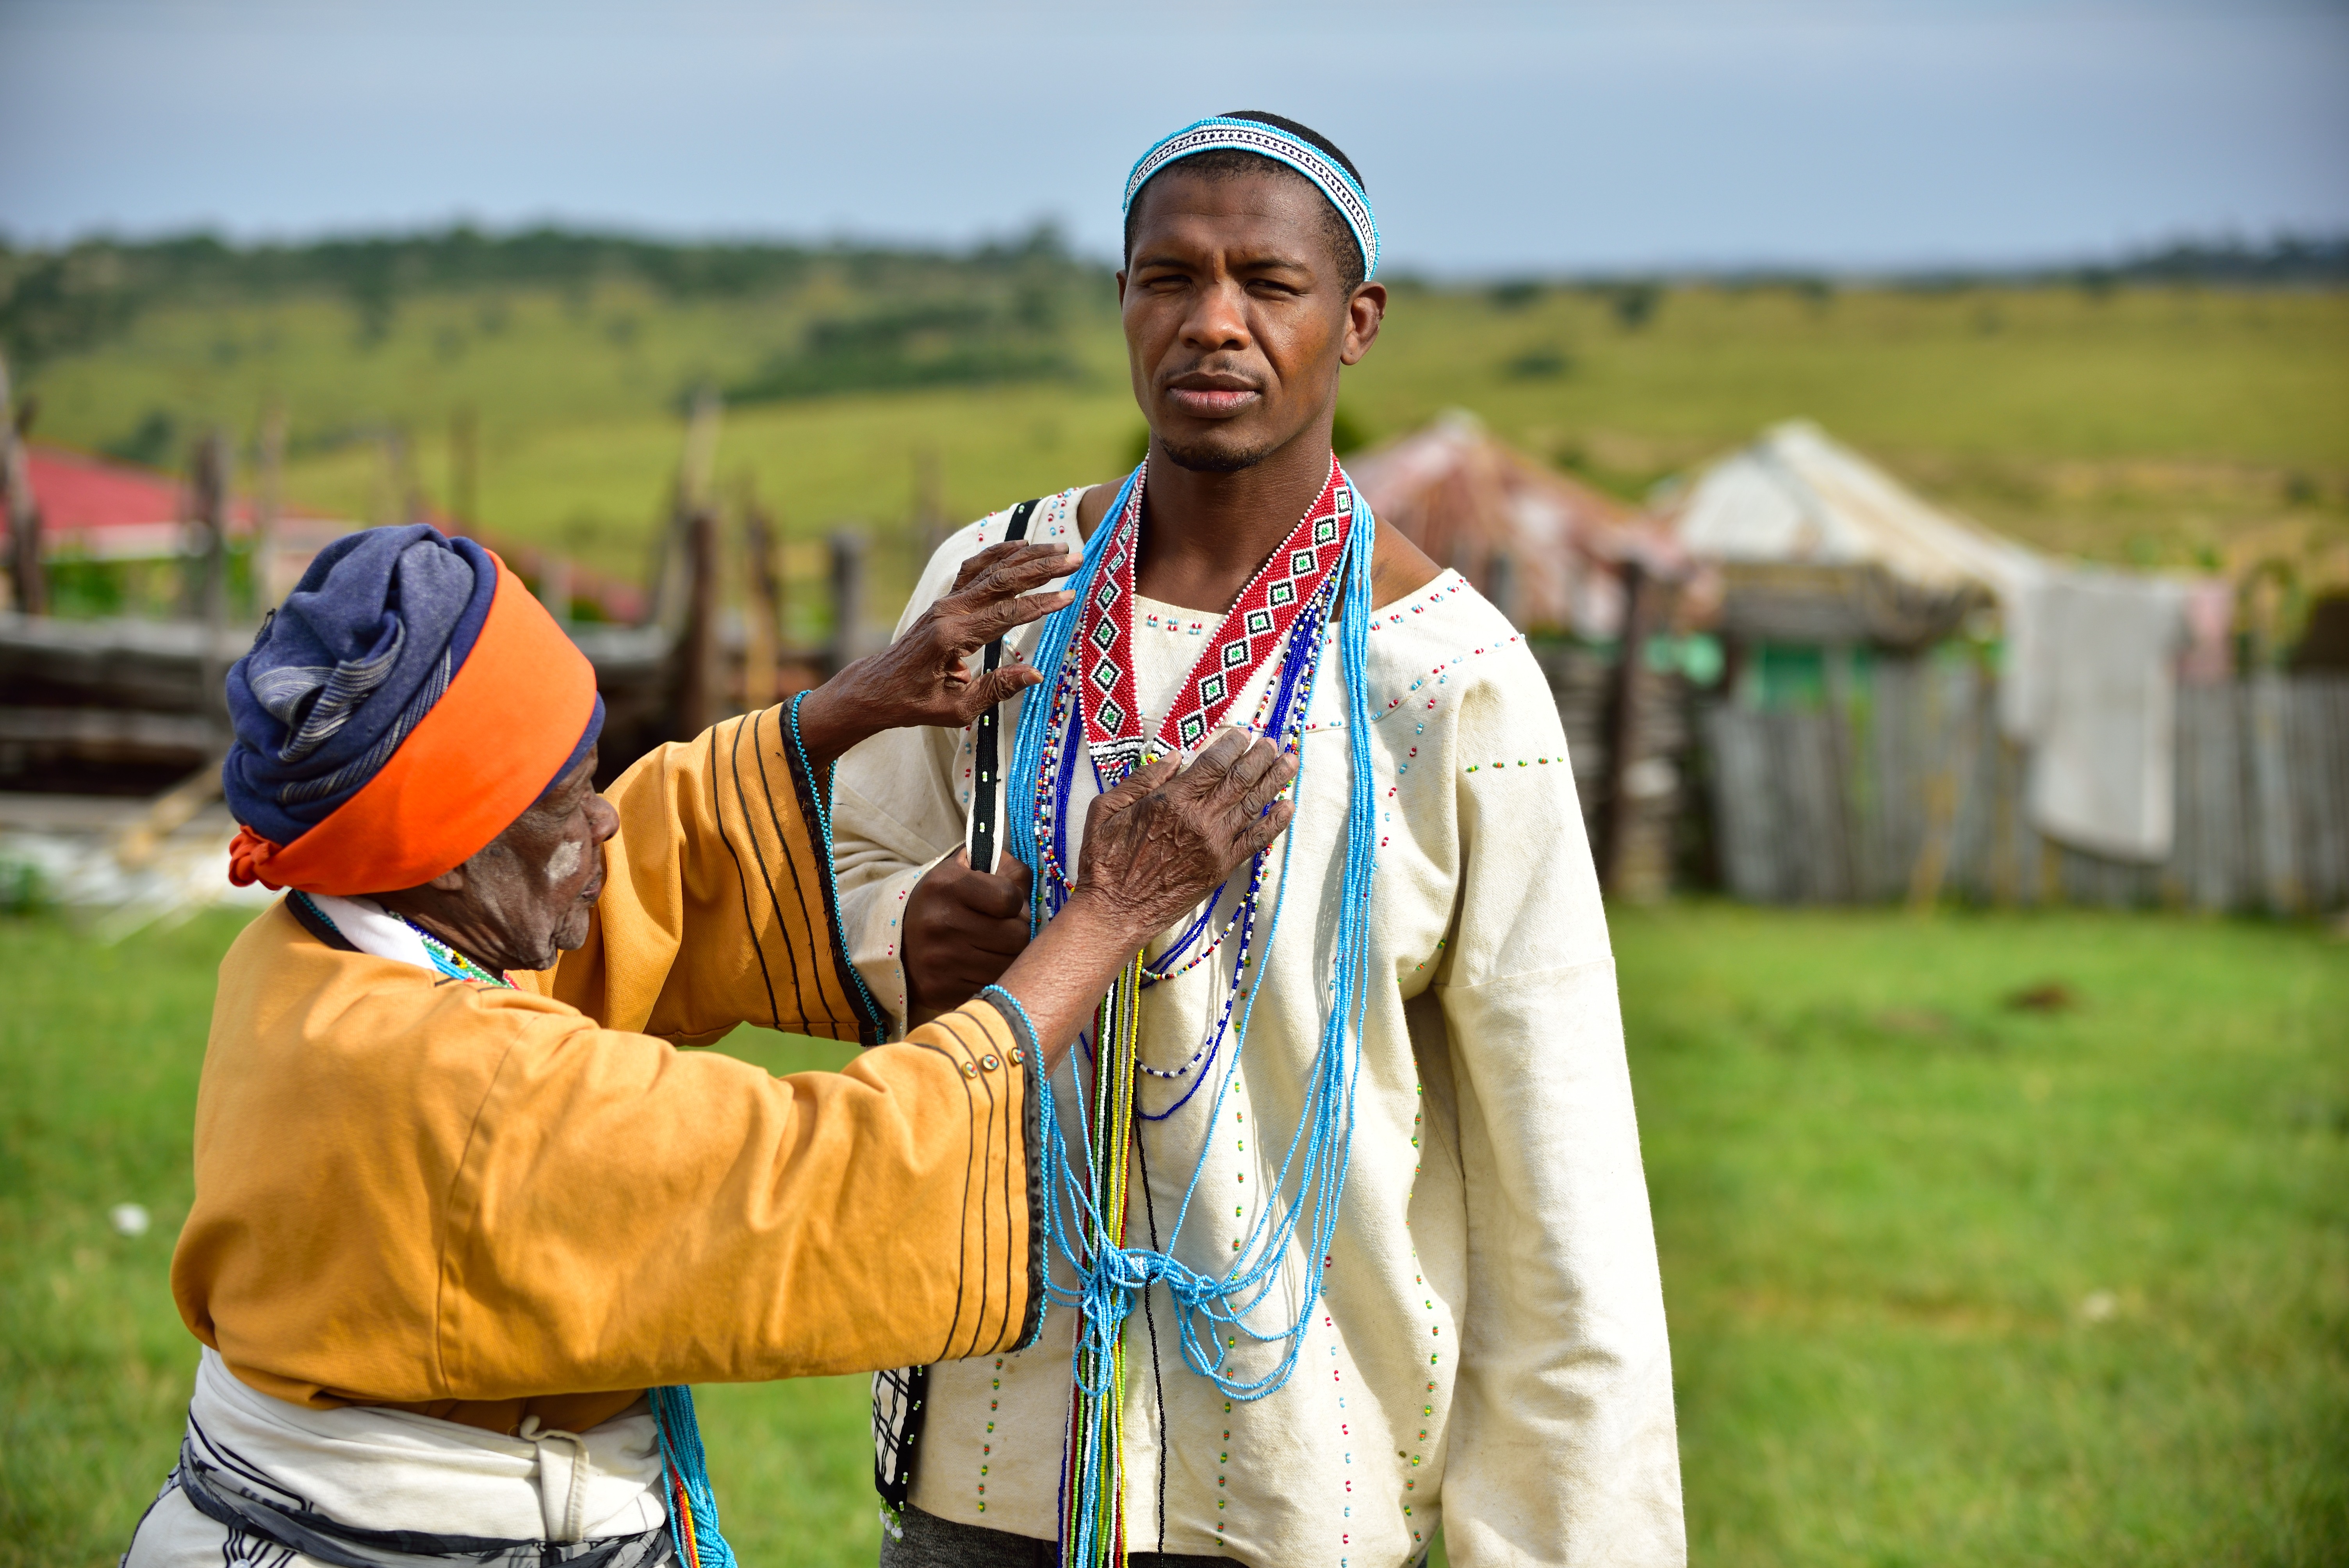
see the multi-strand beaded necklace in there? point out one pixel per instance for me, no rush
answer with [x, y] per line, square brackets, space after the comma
[1321, 569]
[1279, 714]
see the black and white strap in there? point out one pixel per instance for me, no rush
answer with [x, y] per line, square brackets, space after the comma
[987, 740]
[899, 1395]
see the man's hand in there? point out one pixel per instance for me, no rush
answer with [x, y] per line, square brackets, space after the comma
[920, 678]
[963, 928]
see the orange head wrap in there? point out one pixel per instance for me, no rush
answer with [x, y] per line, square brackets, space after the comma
[520, 705]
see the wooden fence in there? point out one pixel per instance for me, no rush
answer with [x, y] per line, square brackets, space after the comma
[1901, 787]
[1632, 811]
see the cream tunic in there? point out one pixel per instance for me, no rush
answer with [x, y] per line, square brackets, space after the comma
[1489, 1353]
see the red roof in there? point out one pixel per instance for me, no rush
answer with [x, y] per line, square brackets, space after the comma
[90, 506]
[77, 493]
[110, 507]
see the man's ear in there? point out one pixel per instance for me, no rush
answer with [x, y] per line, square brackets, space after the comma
[450, 881]
[1365, 311]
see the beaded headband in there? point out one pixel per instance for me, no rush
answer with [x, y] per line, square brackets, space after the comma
[1221, 131]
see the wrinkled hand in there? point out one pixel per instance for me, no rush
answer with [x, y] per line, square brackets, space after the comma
[1160, 842]
[921, 678]
[1155, 846]
[963, 928]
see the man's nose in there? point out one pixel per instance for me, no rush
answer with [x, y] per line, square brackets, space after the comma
[1219, 318]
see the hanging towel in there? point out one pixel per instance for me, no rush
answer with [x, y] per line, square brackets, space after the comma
[2091, 685]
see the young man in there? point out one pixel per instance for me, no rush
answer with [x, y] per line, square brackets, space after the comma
[1443, 1309]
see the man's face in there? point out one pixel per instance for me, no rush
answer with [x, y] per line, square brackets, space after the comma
[1237, 317]
[532, 889]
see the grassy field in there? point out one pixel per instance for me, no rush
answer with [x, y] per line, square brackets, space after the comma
[2154, 424]
[1951, 1283]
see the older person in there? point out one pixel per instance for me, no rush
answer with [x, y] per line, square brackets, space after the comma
[466, 1220]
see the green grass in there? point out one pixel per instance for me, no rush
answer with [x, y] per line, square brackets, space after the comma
[1885, 1204]
[1892, 1211]
[2159, 425]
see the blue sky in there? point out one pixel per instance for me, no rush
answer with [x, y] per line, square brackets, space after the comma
[1848, 134]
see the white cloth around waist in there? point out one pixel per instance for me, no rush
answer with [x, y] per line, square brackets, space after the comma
[379, 1468]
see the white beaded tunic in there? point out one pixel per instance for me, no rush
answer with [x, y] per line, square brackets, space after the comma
[1489, 1353]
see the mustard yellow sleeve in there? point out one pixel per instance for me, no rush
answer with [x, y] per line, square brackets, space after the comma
[718, 907]
[630, 1215]
[573, 1210]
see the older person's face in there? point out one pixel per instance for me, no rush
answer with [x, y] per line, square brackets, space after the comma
[526, 897]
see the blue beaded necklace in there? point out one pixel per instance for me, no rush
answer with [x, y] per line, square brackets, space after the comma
[1085, 1204]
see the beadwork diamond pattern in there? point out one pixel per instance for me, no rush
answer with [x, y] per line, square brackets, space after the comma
[1258, 624]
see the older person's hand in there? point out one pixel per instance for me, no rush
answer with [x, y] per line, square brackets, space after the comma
[1161, 841]
[1155, 846]
[922, 679]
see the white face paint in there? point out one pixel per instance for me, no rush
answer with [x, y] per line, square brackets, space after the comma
[564, 862]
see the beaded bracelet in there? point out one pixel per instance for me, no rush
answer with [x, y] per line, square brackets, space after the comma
[1035, 1040]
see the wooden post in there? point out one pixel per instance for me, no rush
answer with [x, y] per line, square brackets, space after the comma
[204, 595]
[1948, 720]
[266, 503]
[700, 447]
[2278, 867]
[762, 604]
[1850, 868]
[666, 604]
[2006, 821]
[848, 549]
[698, 677]
[207, 586]
[1622, 728]
[20, 510]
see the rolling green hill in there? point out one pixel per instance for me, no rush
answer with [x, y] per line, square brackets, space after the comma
[2158, 422]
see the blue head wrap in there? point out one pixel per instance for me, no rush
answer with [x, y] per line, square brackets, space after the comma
[1240, 133]
[348, 666]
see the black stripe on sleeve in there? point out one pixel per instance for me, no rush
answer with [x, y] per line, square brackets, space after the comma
[741, 877]
[962, 1240]
[782, 847]
[982, 1141]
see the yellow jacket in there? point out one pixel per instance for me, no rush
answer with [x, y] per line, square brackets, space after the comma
[484, 1205]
